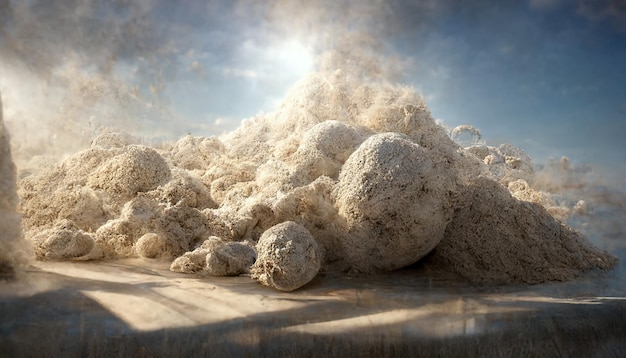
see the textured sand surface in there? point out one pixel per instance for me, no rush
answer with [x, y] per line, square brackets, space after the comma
[361, 167]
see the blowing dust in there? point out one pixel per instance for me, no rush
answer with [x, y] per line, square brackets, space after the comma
[347, 176]
[13, 248]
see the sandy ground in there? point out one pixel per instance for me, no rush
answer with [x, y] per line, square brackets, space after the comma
[139, 308]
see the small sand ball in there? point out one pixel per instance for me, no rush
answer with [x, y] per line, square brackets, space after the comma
[189, 262]
[140, 210]
[182, 225]
[64, 241]
[196, 152]
[184, 187]
[195, 261]
[325, 147]
[229, 224]
[230, 259]
[411, 118]
[288, 257]
[137, 169]
[396, 203]
[229, 186]
[116, 238]
[153, 245]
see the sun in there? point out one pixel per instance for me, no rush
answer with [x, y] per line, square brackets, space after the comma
[278, 60]
[293, 57]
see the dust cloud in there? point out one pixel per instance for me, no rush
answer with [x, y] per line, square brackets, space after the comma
[13, 248]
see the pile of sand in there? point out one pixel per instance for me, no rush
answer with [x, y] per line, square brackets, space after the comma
[496, 238]
[345, 176]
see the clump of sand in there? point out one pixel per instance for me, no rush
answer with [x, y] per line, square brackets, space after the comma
[506, 163]
[195, 152]
[137, 169]
[217, 257]
[63, 241]
[324, 148]
[117, 194]
[230, 259]
[345, 176]
[289, 257]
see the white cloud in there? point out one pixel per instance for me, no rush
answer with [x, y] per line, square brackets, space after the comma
[240, 72]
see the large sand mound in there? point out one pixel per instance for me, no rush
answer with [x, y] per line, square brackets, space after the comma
[361, 168]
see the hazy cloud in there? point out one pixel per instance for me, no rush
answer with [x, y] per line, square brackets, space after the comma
[545, 4]
[613, 11]
[172, 66]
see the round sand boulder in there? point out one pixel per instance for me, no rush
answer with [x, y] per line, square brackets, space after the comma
[137, 169]
[395, 202]
[288, 257]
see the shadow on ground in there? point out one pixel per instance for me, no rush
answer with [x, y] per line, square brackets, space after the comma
[122, 309]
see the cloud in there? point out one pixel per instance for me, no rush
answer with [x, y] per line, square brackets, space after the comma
[544, 5]
[93, 64]
[599, 11]
[240, 72]
[149, 45]
[184, 62]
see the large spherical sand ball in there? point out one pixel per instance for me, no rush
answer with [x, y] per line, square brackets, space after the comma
[395, 201]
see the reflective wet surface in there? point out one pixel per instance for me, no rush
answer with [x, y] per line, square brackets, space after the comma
[139, 308]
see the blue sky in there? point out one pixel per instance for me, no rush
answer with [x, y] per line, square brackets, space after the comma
[548, 76]
[550, 79]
